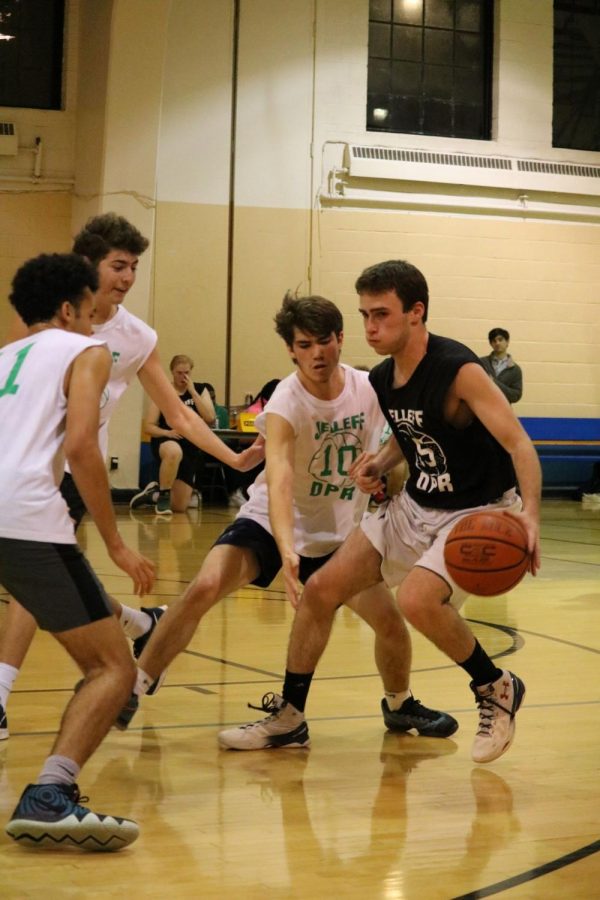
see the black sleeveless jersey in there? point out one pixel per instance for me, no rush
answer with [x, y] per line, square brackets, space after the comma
[187, 399]
[450, 468]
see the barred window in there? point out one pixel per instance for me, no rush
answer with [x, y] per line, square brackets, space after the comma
[576, 88]
[31, 53]
[430, 67]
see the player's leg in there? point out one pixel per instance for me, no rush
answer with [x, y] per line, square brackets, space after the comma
[353, 566]
[57, 586]
[393, 656]
[181, 491]
[424, 599]
[170, 454]
[225, 569]
[17, 633]
[181, 494]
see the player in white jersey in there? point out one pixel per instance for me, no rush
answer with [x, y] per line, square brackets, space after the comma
[51, 383]
[114, 245]
[317, 422]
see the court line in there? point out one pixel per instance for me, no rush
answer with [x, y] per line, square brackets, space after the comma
[537, 872]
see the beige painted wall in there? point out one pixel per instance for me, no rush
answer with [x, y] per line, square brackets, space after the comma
[147, 131]
[30, 223]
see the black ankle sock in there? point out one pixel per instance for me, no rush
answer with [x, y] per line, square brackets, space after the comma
[480, 667]
[296, 687]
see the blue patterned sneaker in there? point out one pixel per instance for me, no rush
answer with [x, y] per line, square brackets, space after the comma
[3, 724]
[285, 726]
[127, 713]
[147, 497]
[49, 815]
[413, 716]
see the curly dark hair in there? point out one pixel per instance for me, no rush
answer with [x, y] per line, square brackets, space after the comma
[399, 276]
[107, 232]
[314, 315]
[42, 284]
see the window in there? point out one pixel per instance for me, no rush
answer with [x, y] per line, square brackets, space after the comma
[430, 67]
[576, 95]
[31, 53]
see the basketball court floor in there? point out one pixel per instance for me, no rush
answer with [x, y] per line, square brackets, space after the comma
[364, 813]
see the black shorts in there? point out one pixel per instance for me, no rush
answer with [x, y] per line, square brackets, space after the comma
[73, 499]
[245, 532]
[54, 582]
[189, 461]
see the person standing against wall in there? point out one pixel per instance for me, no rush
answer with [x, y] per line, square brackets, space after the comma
[501, 367]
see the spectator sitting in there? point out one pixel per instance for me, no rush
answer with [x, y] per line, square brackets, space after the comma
[501, 367]
[178, 458]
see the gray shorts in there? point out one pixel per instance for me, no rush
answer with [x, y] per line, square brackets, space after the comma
[54, 582]
[407, 534]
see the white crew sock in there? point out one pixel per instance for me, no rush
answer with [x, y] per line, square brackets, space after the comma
[395, 699]
[134, 622]
[7, 677]
[143, 683]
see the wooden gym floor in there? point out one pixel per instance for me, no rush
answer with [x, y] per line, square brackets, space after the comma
[363, 813]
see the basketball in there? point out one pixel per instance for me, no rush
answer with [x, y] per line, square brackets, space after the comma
[486, 553]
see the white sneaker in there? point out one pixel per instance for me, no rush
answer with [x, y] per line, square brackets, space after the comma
[498, 702]
[195, 500]
[285, 726]
[237, 498]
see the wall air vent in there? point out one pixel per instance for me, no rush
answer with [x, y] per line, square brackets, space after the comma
[9, 144]
[395, 164]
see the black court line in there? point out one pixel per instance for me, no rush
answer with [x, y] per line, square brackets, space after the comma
[235, 665]
[552, 866]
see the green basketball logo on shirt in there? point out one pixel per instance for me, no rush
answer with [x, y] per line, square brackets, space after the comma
[10, 386]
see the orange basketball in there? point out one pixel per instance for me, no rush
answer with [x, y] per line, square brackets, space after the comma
[486, 553]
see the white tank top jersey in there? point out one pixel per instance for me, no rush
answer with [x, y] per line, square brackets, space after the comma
[130, 342]
[33, 410]
[330, 434]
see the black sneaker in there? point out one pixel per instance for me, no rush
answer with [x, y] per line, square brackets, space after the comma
[3, 724]
[127, 713]
[413, 716]
[155, 612]
[49, 815]
[145, 497]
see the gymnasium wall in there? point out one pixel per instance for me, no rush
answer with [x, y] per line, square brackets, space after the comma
[153, 141]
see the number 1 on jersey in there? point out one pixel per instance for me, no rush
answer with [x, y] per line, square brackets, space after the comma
[9, 385]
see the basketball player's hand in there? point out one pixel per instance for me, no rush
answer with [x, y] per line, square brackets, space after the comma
[252, 456]
[174, 434]
[532, 527]
[364, 474]
[291, 572]
[140, 569]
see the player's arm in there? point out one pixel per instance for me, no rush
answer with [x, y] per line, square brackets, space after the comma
[152, 427]
[368, 468]
[83, 387]
[187, 423]
[279, 471]
[493, 409]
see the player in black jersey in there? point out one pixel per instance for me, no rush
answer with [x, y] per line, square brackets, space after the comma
[466, 451]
